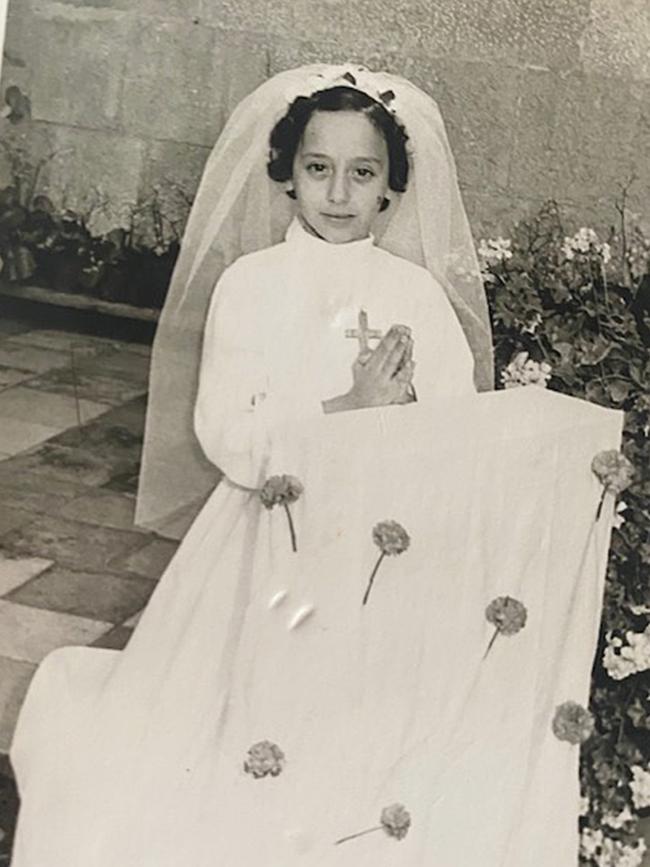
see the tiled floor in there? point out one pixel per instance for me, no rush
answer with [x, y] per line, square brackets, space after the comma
[73, 568]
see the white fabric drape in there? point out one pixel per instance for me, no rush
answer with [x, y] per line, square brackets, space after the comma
[141, 765]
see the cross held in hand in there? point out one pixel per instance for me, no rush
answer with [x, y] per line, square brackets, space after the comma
[363, 334]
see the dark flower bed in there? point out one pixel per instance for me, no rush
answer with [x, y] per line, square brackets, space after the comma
[571, 312]
[59, 252]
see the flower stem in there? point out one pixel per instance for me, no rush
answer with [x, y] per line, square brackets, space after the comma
[358, 834]
[600, 503]
[372, 578]
[492, 640]
[292, 530]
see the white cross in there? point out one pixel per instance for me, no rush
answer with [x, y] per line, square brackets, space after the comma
[363, 334]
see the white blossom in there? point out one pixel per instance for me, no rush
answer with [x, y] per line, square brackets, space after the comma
[585, 241]
[640, 786]
[606, 852]
[591, 842]
[618, 820]
[623, 659]
[495, 250]
[522, 370]
[618, 519]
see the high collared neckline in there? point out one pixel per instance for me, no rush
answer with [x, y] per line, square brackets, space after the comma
[351, 250]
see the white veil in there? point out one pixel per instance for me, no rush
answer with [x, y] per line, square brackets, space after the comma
[237, 210]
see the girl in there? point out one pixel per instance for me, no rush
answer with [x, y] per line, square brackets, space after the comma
[294, 694]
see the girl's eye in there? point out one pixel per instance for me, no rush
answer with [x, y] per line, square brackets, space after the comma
[364, 172]
[316, 168]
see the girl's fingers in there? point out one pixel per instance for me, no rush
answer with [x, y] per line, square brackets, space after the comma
[395, 356]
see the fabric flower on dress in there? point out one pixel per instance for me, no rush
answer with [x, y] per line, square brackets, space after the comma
[572, 723]
[395, 820]
[282, 491]
[264, 759]
[507, 615]
[523, 370]
[391, 539]
[614, 471]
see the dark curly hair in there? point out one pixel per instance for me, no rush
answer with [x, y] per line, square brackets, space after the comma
[288, 131]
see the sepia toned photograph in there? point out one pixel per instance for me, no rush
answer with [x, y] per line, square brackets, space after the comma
[325, 433]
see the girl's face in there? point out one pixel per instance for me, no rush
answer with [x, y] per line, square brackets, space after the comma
[340, 175]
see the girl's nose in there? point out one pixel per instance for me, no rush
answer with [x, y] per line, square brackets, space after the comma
[338, 191]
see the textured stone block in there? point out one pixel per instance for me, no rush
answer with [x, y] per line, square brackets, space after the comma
[462, 29]
[254, 16]
[29, 634]
[289, 53]
[98, 596]
[594, 137]
[172, 173]
[45, 408]
[534, 168]
[149, 561]
[16, 65]
[617, 39]
[18, 435]
[478, 103]
[104, 508]
[15, 677]
[95, 173]
[14, 572]
[184, 9]
[69, 543]
[551, 32]
[184, 95]
[78, 57]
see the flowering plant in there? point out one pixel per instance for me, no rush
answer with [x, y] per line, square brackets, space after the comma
[507, 615]
[578, 301]
[282, 491]
[395, 820]
[391, 539]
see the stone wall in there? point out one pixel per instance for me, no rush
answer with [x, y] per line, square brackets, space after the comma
[542, 98]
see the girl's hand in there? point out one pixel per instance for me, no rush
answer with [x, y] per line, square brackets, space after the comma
[381, 377]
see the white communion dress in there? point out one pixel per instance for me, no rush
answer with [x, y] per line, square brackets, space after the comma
[138, 758]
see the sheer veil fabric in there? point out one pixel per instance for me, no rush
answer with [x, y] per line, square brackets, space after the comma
[238, 210]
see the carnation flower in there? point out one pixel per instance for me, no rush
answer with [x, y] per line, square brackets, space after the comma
[640, 787]
[614, 472]
[264, 759]
[395, 820]
[523, 370]
[621, 659]
[508, 615]
[391, 539]
[281, 491]
[572, 723]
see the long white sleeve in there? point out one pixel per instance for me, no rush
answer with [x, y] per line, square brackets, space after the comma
[444, 361]
[233, 415]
